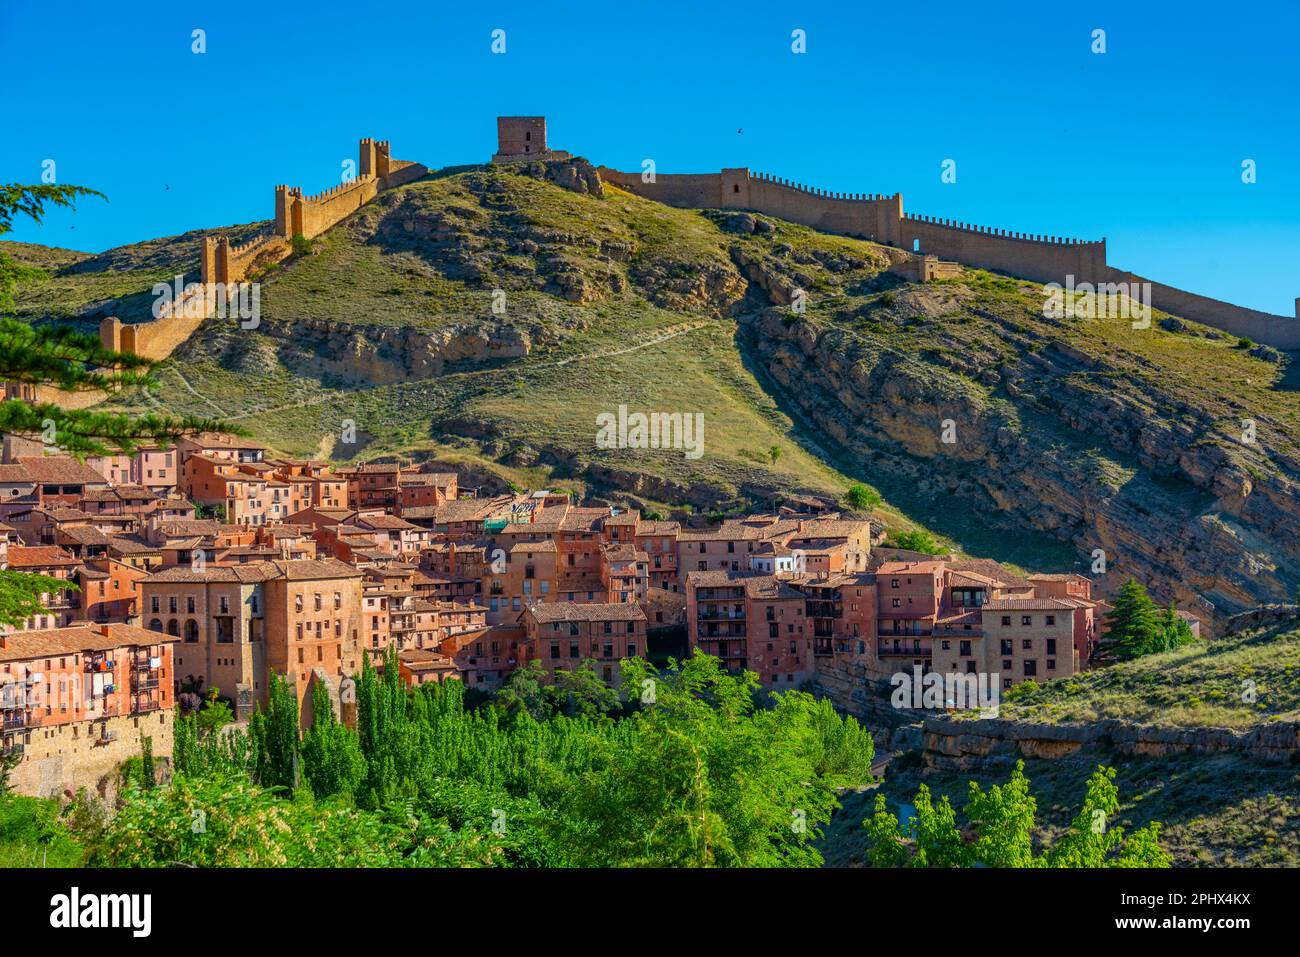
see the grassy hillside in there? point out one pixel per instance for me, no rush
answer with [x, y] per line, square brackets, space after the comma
[1235, 682]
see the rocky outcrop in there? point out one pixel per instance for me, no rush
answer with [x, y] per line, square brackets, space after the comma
[1167, 499]
[964, 744]
[352, 354]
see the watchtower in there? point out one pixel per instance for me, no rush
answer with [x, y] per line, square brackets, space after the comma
[521, 135]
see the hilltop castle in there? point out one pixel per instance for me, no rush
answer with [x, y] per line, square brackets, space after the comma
[873, 216]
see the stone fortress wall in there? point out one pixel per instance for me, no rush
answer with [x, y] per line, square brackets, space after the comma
[221, 262]
[877, 217]
[882, 219]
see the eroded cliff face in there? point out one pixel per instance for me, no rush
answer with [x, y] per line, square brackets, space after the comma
[1146, 479]
[378, 355]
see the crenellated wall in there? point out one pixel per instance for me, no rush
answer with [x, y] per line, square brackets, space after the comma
[225, 264]
[881, 218]
[1040, 258]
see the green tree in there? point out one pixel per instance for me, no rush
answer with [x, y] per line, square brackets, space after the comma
[148, 773]
[774, 453]
[703, 777]
[999, 831]
[332, 762]
[1134, 626]
[274, 732]
[1092, 841]
[916, 540]
[215, 714]
[861, 498]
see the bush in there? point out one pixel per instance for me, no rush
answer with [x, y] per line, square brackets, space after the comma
[302, 246]
[861, 498]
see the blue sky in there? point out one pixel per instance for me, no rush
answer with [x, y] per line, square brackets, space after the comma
[1142, 144]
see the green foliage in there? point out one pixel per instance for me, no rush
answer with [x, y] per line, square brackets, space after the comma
[861, 498]
[332, 762]
[701, 776]
[274, 733]
[917, 540]
[999, 831]
[29, 201]
[215, 714]
[706, 778]
[302, 246]
[31, 834]
[23, 595]
[223, 820]
[1137, 628]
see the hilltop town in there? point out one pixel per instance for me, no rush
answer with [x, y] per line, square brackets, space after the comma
[308, 568]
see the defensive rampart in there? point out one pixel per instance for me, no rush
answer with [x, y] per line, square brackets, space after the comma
[1042, 258]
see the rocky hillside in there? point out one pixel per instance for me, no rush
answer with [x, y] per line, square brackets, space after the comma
[486, 316]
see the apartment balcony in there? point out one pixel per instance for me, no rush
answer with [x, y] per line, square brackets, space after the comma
[823, 646]
[143, 681]
[904, 650]
[15, 719]
[719, 614]
[97, 663]
[736, 631]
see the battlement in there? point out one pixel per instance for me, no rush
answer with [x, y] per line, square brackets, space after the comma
[939, 244]
[1003, 233]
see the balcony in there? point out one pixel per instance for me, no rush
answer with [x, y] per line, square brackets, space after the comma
[904, 649]
[15, 719]
[143, 681]
[735, 631]
[97, 663]
[720, 614]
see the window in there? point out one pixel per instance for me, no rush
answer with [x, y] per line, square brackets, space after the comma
[1026, 621]
[965, 649]
[153, 604]
[1051, 646]
[171, 604]
[555, 650]
[631, 649]
[773, 630]
[945, 645]
[1031, 667]
[1051, 664]
[1027, 644]
[895, 603]
[1051, 620]
[1006, 621]
[573, 649]
[317, 601]
[1006, 646]
[338, 600]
